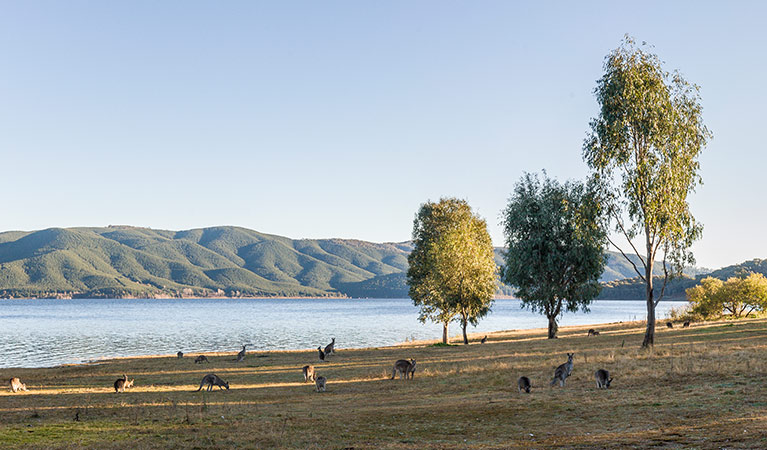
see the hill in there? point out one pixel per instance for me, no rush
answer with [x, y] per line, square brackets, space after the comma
[634, 289]
[125, 261]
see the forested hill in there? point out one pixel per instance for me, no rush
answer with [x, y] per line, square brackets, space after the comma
[123, 261]
[634, 289]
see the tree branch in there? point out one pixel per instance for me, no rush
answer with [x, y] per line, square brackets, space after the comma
[625, 233]
[628, 259]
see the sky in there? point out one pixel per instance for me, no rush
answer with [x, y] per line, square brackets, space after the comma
[339, 119]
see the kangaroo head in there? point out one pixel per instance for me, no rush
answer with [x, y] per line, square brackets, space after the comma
[226, 385]
[570, 356]
[608, 382]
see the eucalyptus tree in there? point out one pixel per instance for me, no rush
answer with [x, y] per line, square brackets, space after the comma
[644, 147]
[452, 272]
[555, 246]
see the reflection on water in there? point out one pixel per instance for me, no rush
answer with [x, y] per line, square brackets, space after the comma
[43, 333]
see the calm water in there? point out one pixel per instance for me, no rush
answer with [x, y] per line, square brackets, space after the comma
[43, 333]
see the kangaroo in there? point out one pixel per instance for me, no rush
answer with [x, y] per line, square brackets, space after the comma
[201, 359]
[180, 355]
[320, 383]
[523, 384]
[17, 385]
[669, 324]
[121, 384]
[404, 368]
[241, 355]
[603, 379]
[563, 371]
[686, 324]
[330, 349]
[309, 374]
[593, 332]
[483, 340]
[322, 354]
[211, 380]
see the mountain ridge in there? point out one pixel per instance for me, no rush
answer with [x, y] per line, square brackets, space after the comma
[222, 261]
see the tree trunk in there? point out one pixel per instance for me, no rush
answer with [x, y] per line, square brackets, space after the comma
[463, 324]
[553, 327]
[649, 334]
[444, 332]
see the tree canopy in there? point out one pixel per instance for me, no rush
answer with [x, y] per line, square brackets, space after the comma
[452, 271]
[738, 296]
[555, 244]
[643, 148]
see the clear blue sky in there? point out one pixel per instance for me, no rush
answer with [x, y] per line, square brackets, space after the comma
[338, 119]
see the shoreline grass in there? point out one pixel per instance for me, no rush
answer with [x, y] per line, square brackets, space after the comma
[699, 387]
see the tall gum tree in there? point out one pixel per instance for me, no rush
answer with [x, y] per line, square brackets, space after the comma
[643, 148]
[452, 272]
[555, 241]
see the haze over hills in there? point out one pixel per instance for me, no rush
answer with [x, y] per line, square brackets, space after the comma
[124, 261]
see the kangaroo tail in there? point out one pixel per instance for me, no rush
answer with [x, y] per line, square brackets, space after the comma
[553, 381]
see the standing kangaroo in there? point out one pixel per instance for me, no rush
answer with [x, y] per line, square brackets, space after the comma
[17, 385]
[523, 384]
[686, 324]
[322, 354]
[330, 349]
[669, 325]
[241, 355]
[404, 368]
[563, 371]
[320, 383]
[483, 340]
[180, 355]
[211, 380]
[309, 374]
[603, 379]
[121, 384]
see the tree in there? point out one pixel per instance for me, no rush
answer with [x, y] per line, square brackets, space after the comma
[643, 148]
[704, 298]
[555, 242]
[737, 296]
[452, 271]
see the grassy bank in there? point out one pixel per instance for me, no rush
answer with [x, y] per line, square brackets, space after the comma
[702, 387]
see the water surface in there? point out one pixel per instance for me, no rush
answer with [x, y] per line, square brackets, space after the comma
[44, 333]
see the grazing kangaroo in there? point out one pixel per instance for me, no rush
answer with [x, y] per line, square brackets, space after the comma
[330, 349]
[669, 324]
[241, 355]
[593, 332]
[121, 384]
[563, 371]
[320, 383]
[483, 340]
[211, 380]
[180, 355]
[309, 374]
[686, 324]
[201, 359]
[322, 354]
[404, 368]
[17, 385]
[603, 379]
[523, 384]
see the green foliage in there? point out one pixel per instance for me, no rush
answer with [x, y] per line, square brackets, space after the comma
[452, 271]
[555, 242]
[737, 296]
[643, 148]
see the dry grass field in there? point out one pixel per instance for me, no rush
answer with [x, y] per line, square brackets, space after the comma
[700, 387]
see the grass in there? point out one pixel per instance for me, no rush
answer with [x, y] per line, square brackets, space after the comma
[700, 387]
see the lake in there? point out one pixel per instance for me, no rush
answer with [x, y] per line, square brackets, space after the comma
[45, 333]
